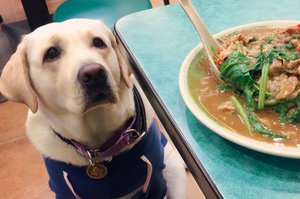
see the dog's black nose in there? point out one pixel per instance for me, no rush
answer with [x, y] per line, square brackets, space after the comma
[92, 75]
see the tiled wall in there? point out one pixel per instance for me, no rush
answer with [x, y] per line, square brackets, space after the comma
[12, 10]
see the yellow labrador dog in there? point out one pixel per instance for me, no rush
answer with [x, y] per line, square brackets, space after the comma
[95, 130]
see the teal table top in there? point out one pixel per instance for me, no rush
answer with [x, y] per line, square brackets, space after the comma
[160, 39]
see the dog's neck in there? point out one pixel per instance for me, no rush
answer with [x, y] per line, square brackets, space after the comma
[96, 126]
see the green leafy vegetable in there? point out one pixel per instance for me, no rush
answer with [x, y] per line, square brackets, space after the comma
[257, 88]
[214, 51]
[263, 86]
[261, 129]
[253, 39]
[281, 108]
[238, 73]
[235, 72]
[291, 55]
[266, 42]
[294, 117]
[248, 47]
[239, 46]
[296, 37]
[271, 102]
[288, 110]
[241, 74]
[242, 113]
[249, 95]
[275, 53]
[223, 87]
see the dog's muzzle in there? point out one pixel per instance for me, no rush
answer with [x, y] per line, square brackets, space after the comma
[93, 78]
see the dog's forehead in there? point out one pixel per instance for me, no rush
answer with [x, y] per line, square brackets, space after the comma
[73, 26]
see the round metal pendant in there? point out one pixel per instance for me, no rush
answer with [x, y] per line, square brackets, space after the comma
[97, 171]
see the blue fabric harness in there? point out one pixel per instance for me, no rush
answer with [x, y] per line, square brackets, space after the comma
[126, 173]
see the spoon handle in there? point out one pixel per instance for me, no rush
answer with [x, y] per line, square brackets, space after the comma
[205, 36]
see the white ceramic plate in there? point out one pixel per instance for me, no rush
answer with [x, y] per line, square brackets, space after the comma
[279, 150]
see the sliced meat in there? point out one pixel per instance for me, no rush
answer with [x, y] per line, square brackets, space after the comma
[229, 49]
[267, 46]
[227, 106]
[254, 51]
[293, 66]
[281, 65]
[241, 38]
[288, 86]
[276, 67]
[262, 37]
[281, 38]
[274, 82]
[293, 30]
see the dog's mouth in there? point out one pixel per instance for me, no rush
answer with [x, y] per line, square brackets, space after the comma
[98, 88]
[99, 96]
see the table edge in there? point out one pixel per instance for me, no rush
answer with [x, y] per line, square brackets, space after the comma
[195, 166]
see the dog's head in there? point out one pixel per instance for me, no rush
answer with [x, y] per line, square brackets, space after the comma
[74, 65]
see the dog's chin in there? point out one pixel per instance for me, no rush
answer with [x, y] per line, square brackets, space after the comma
[99, 99]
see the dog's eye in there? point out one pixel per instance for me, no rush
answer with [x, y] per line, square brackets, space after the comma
[98, 43]
[52, 54]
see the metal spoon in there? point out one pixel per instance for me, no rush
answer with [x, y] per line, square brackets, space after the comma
[205, 36]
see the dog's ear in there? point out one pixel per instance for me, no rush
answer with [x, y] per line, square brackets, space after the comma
[15, 83]
[125, 70]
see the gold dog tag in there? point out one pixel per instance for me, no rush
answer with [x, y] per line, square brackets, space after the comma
[97, 171]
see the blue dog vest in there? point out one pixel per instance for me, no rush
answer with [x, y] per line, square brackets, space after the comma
[127, 172]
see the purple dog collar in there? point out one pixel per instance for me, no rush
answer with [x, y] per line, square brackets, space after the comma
[123, 137]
